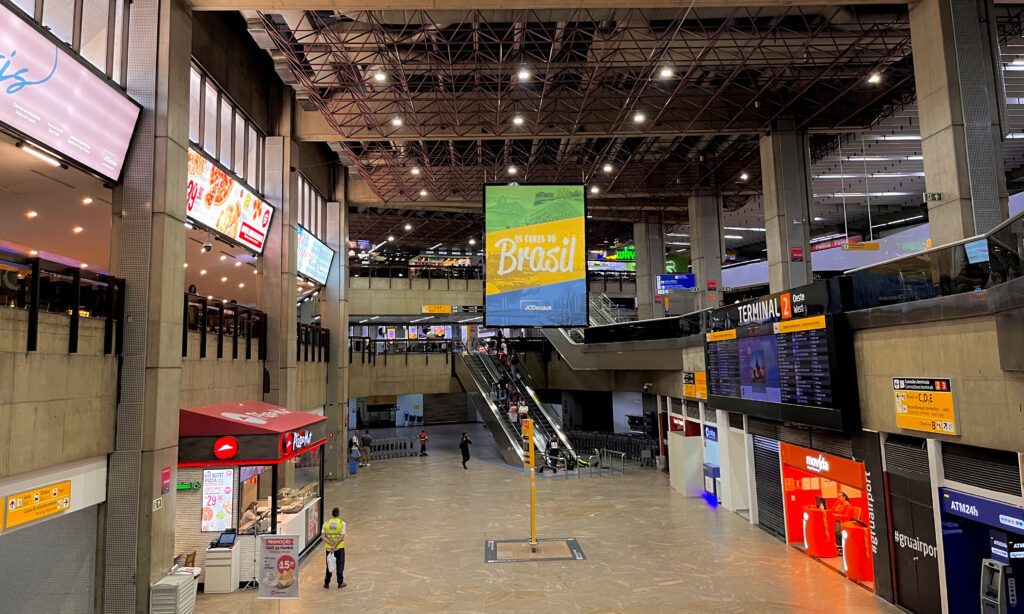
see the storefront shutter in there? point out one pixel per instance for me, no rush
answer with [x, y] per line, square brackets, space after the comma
[996, 470]
[692, 410]
[735, 420]
[906, 456]
[768, 480]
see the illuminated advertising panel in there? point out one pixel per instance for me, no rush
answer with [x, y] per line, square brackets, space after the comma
[50, 97]
[222, 204]
[218, 499]
[536, 255]
[314, 257]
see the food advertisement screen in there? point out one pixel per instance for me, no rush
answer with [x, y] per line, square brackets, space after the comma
[218, 498]
[314, 258]
[218, 202]
[50, 97]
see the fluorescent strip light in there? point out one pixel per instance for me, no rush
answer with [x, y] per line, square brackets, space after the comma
[891, 137]
[677, 234]
[750, 229]
[436, 246]
[732, 237]
[827, 237]
[38, 154]
[894, 222]
[675, 243]
[420, 319]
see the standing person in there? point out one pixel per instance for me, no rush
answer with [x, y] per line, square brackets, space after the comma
[353, 448]
[513, 365]
[464, 447]
[364, 446]
[523, 408]
[423, 442]
[334, 537]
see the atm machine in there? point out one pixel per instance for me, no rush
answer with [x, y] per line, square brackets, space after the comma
[998, 588]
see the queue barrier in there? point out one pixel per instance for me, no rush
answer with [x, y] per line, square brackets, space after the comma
[632, 446]
[393, 447]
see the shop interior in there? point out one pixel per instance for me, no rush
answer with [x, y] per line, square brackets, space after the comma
[827, 520]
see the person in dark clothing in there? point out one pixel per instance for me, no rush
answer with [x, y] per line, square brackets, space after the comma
[464, 446]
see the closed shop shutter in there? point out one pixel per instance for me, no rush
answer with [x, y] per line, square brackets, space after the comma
[768, 481]
[735, 420]
[996, 470]
[906, 456]
[692, 410]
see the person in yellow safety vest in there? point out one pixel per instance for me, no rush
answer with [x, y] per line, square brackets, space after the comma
[334, 537]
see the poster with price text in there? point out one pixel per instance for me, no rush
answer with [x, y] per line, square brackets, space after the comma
[279, 567]
[218, 499]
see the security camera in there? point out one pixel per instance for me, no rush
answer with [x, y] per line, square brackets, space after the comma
[207, 246]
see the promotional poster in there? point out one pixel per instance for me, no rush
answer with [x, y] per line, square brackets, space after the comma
[536, 255]
[220, 203]
[279, 566]
[218, 499]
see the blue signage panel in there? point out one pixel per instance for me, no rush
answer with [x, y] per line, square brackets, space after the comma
[672, 283]
[711, 433]
[986, 511]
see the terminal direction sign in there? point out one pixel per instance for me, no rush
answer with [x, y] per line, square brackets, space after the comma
[528, 449]
[38, 503]
[667, 284]
[925, 404]
[695, 385]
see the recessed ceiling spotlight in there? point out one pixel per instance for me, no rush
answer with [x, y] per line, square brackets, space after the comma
[408, 226]
[186, 265]
[639, 117]
[239, 263]
[209, 297]
[396, 122]
[77, 229]
[255, 271]
[202, 272]
[512, 170]
[31, 214]
[33, 252]
[379, 77]
[875, 78]
[524, 74]
[423, 192]
[594, 189]
[84, 265]
[665, 73]
[241, 285]
[608, 168]
[223, 279]
[744, 176]
[517, 120]
[223, 257]
[87, 200]
[415, 170]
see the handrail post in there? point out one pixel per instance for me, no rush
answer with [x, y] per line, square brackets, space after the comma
[33, 308]
[204, 313]
[184, 327]
[234, 334]
[220, 331]
[76, 301]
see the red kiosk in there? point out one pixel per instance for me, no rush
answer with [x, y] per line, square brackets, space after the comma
[826, 508]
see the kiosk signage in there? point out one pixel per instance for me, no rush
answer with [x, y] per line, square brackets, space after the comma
[279, 568]
[980, 509]
[925, 404]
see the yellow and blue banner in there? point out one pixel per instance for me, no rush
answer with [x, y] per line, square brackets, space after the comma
[536, 255]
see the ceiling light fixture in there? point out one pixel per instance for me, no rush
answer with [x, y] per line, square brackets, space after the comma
[639, 117]
[239, 263]
[202, 272]
[594, 189]
[186, 265]
[665, 73]
[732, 237]
[38, 154]
[472, 241]
[87, 200]
[415, 170]
[608, 168]
[819, 219]
[223, 257]
[512, 170]
[744, 229]
[396, 122]
[423, 192]
[408, 226]
[875, 78]
[517, 120]
[255, 271]
[31, 214]
[524, 74]
[223, 279]
[391, 238]
[33, 252]
[744, 176]
[84, 265]
[77, 229]
[379, 77]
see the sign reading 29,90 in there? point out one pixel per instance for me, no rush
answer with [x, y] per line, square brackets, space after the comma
[536, 255]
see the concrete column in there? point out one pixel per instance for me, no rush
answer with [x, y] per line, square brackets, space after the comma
[335, 319]
[151, 245]
[786, 182]
[278, 289]
[649, 238]
[706, 247]
[959, 104]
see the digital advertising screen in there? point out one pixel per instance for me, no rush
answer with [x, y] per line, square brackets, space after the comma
[52, 98]
[314, 257]
[222, 204]
[536, 255]
[218, 499]
[766, 361]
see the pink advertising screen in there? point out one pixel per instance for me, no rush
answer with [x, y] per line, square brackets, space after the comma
[51, 98]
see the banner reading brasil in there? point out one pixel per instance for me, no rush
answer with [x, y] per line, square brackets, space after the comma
[536, 255]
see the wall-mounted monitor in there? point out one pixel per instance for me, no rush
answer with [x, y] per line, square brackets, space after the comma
[50, 97]
[219, 202]
[314, 257]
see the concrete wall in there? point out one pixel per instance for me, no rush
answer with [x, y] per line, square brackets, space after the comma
[625, 404]
[424, 374]
[381, 296]
[55, 407]
[311, 378]
[988, 399]
[218, 380]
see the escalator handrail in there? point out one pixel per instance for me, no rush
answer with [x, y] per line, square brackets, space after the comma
[486, 394]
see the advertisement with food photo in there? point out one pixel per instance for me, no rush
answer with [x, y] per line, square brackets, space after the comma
[218, 202]
[218, 499]
[279, 567]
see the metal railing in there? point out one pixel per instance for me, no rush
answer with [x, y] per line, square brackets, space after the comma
[223, 320]
[369, 349]
[314, 343]
[414, 271]
[39, 285]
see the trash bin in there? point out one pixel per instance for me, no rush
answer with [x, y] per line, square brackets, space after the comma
[353, 466]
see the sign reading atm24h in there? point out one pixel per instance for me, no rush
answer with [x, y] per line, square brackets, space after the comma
[536, 255]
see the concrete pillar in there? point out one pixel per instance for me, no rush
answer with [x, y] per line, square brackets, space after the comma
[335, 319]
[151, 244]
[649, 238]
[278, 288]
[706, 247]
[786, 182]
[959, 105]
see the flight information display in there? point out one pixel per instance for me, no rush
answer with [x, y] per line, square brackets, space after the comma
[781, 362]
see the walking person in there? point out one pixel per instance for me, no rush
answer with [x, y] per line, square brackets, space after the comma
[364, 446]
[464, 447]
[423, 442]
[334, 537]
[513, 365]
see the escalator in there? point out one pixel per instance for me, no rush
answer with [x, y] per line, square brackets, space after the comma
[480, 383]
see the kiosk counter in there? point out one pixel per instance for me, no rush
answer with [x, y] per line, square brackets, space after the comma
[250, 468]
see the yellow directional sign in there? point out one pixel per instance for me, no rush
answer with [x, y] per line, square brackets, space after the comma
[528, 448]
[39, 503]
[925, 404]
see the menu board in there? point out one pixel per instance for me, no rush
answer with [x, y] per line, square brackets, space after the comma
[52, 98]
[218, 499]
[222, 204]
[314, 258]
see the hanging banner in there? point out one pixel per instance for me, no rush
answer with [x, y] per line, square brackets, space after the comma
[220, 203]
[279, 567]
[536, 255]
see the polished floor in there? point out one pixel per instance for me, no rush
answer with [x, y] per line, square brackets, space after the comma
[418, 526]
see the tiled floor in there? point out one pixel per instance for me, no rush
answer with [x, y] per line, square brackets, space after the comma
[417, 528]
